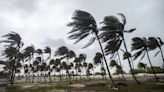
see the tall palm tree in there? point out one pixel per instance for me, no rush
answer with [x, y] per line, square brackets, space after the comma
[57, 67]
[141, 45]
[13, 39]
[38, 66]
[112, 32]
[52, 67]
[48, 51]
[42, 67]
[29, 55]
[84, 25]
[156, 43]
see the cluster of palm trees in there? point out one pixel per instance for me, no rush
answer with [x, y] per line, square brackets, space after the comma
[110, 35]
[38, 64]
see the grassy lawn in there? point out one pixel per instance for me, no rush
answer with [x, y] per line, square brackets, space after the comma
[91, 87]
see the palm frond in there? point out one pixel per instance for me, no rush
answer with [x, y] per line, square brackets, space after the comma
[90, 42]
[130, 31]
[137, 54]
[123, 18]
[156, 53]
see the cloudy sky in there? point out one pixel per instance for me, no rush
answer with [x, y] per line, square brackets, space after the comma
[43, 22]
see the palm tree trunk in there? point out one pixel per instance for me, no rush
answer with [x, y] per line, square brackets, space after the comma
[76, 74]
[120, 65]
[44, 76]
[12, 76]
[151, 65]
[130, 63]
[162, 54]
[109, 74]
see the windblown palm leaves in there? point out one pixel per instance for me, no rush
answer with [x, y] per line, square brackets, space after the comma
[156, 43]
[65, 52]
[98, 58]
[82, 57]
[10, 53]
[112, 32]
[83, 25]
[142, 46]
[13, 40]
[48, 51]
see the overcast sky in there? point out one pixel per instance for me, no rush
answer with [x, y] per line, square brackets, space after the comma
[43, 22]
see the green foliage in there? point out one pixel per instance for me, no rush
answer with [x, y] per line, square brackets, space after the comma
[119, 71]
[148, 70]
[156, 69]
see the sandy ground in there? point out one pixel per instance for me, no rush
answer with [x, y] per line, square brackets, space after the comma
[56, 80]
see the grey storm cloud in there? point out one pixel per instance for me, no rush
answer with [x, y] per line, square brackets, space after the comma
[43, 22]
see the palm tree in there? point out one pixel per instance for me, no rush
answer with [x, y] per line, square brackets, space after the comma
[43, 70]
[57, 66]
[142, 66]
[48, 51]
[142, 47]
[77, 65]
[98, 61]
[65, 53]
[13, 40]
[29, 55]
[113, 33]
[156, 43]
[113, 63]
[90, 67]
[40, 53]
[83, 25]
[52, 67]
[38, 66]
[85, 66]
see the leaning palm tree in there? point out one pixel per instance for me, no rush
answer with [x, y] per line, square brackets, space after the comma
[112, 32]
[48, 51]
[29, 55]
[84, 25]
[156, 43]
[141, 45]
[40, 53]
[13, 40]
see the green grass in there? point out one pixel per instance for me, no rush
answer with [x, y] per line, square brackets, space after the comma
[37, 89]
[105, 87]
